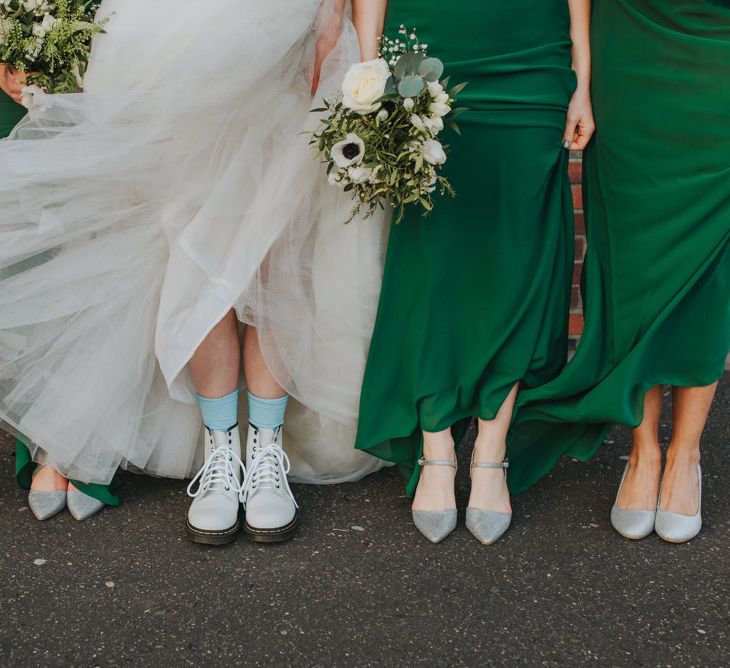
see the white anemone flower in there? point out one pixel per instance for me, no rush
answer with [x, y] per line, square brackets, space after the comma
[348, 152]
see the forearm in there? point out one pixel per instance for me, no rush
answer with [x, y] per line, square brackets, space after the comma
[580, 20]
[369, 19]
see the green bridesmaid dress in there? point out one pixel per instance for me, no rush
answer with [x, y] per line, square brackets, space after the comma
[10, 114]
[476, 297]
[657, 203]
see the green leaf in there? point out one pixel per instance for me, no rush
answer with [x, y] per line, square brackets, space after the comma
[411, 86]
[458, 88]
[408, 65]
[431, 69]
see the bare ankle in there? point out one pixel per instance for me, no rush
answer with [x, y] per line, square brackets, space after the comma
[646, 451]
[683, 454]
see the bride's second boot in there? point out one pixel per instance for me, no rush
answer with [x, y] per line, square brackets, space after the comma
[271, 510]
[213, 517]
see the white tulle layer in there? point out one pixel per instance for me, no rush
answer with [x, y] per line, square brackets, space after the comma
[135, 215]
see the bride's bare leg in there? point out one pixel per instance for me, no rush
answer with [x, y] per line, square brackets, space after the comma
[259, 380]
[216, 364]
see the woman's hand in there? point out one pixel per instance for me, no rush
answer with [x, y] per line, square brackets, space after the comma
[12, 82]
[580, 126]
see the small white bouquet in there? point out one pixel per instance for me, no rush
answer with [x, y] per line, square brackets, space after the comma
[379, 137]
[49, 39]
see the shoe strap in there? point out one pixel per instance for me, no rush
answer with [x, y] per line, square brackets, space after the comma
[490, 465]
[437, 462]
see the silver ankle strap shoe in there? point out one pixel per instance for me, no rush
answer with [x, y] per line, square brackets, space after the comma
[435, 524]
[488, 525]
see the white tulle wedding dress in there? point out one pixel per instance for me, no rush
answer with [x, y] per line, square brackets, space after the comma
[135, 215]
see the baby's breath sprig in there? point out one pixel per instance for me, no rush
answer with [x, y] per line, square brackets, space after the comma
[407, 41]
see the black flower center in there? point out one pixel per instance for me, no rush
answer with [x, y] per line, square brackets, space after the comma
[350, 151]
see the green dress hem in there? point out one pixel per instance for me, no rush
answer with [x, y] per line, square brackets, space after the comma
[25, 466]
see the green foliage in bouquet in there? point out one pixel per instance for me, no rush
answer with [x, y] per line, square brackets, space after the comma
[379, 136]
[49, 39]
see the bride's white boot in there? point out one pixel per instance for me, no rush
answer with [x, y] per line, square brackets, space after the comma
[213, 517]
[271, 510]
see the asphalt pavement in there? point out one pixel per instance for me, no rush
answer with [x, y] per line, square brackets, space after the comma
[359, 586]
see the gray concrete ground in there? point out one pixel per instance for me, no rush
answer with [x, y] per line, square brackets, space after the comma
[359, 586]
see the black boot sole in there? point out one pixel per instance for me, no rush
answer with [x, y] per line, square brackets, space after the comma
[272, 535]
[203, 537]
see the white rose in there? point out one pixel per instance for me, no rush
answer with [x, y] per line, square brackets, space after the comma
[442, 99]
[417, 122]
[49, 23]
[350, 151]
[382, 115]
[439, 108]
[359, 174]
[433, 152]
[435, 88]
[364, 85]
[39, 31]
[408, 103]
[435, 124]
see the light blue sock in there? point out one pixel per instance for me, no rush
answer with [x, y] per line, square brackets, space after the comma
[219, 414]
[266, 413]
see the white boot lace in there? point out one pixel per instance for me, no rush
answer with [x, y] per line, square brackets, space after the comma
[218, 473]
[267, 471]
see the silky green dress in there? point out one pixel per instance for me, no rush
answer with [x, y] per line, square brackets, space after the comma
[475, 297]
[10, 115]
[657, 204]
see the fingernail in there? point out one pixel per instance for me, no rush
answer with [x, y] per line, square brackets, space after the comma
[566, 144]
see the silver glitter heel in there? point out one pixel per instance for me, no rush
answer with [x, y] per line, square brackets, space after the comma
[678, 528]
[82, 506]
[46, 503]
[435, 524]
[487, 526]
[632, 524]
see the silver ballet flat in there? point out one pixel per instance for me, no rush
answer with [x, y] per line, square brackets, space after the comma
[487, 526]
[633, 524]
[678, 528]
[45, 504]
[82, 506]
[435, 524]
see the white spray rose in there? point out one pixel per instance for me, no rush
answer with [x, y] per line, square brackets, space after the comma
[364, 85]
[350, 151]
[435, 124]
[408, 103]
[433, 152]
[49, 23]
[435, 88]
[417, 122]
[382, 115]
[442, 99]
[359, 174]
[439, 108]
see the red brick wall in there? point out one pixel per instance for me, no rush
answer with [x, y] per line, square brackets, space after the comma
[576, 310]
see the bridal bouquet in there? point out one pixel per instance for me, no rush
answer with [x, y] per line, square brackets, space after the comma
[50, 39]
[379, 136]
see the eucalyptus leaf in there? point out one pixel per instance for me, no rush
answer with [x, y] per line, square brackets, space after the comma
[411, 86]
[408, 65]
[431, 69]
[390, 88]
